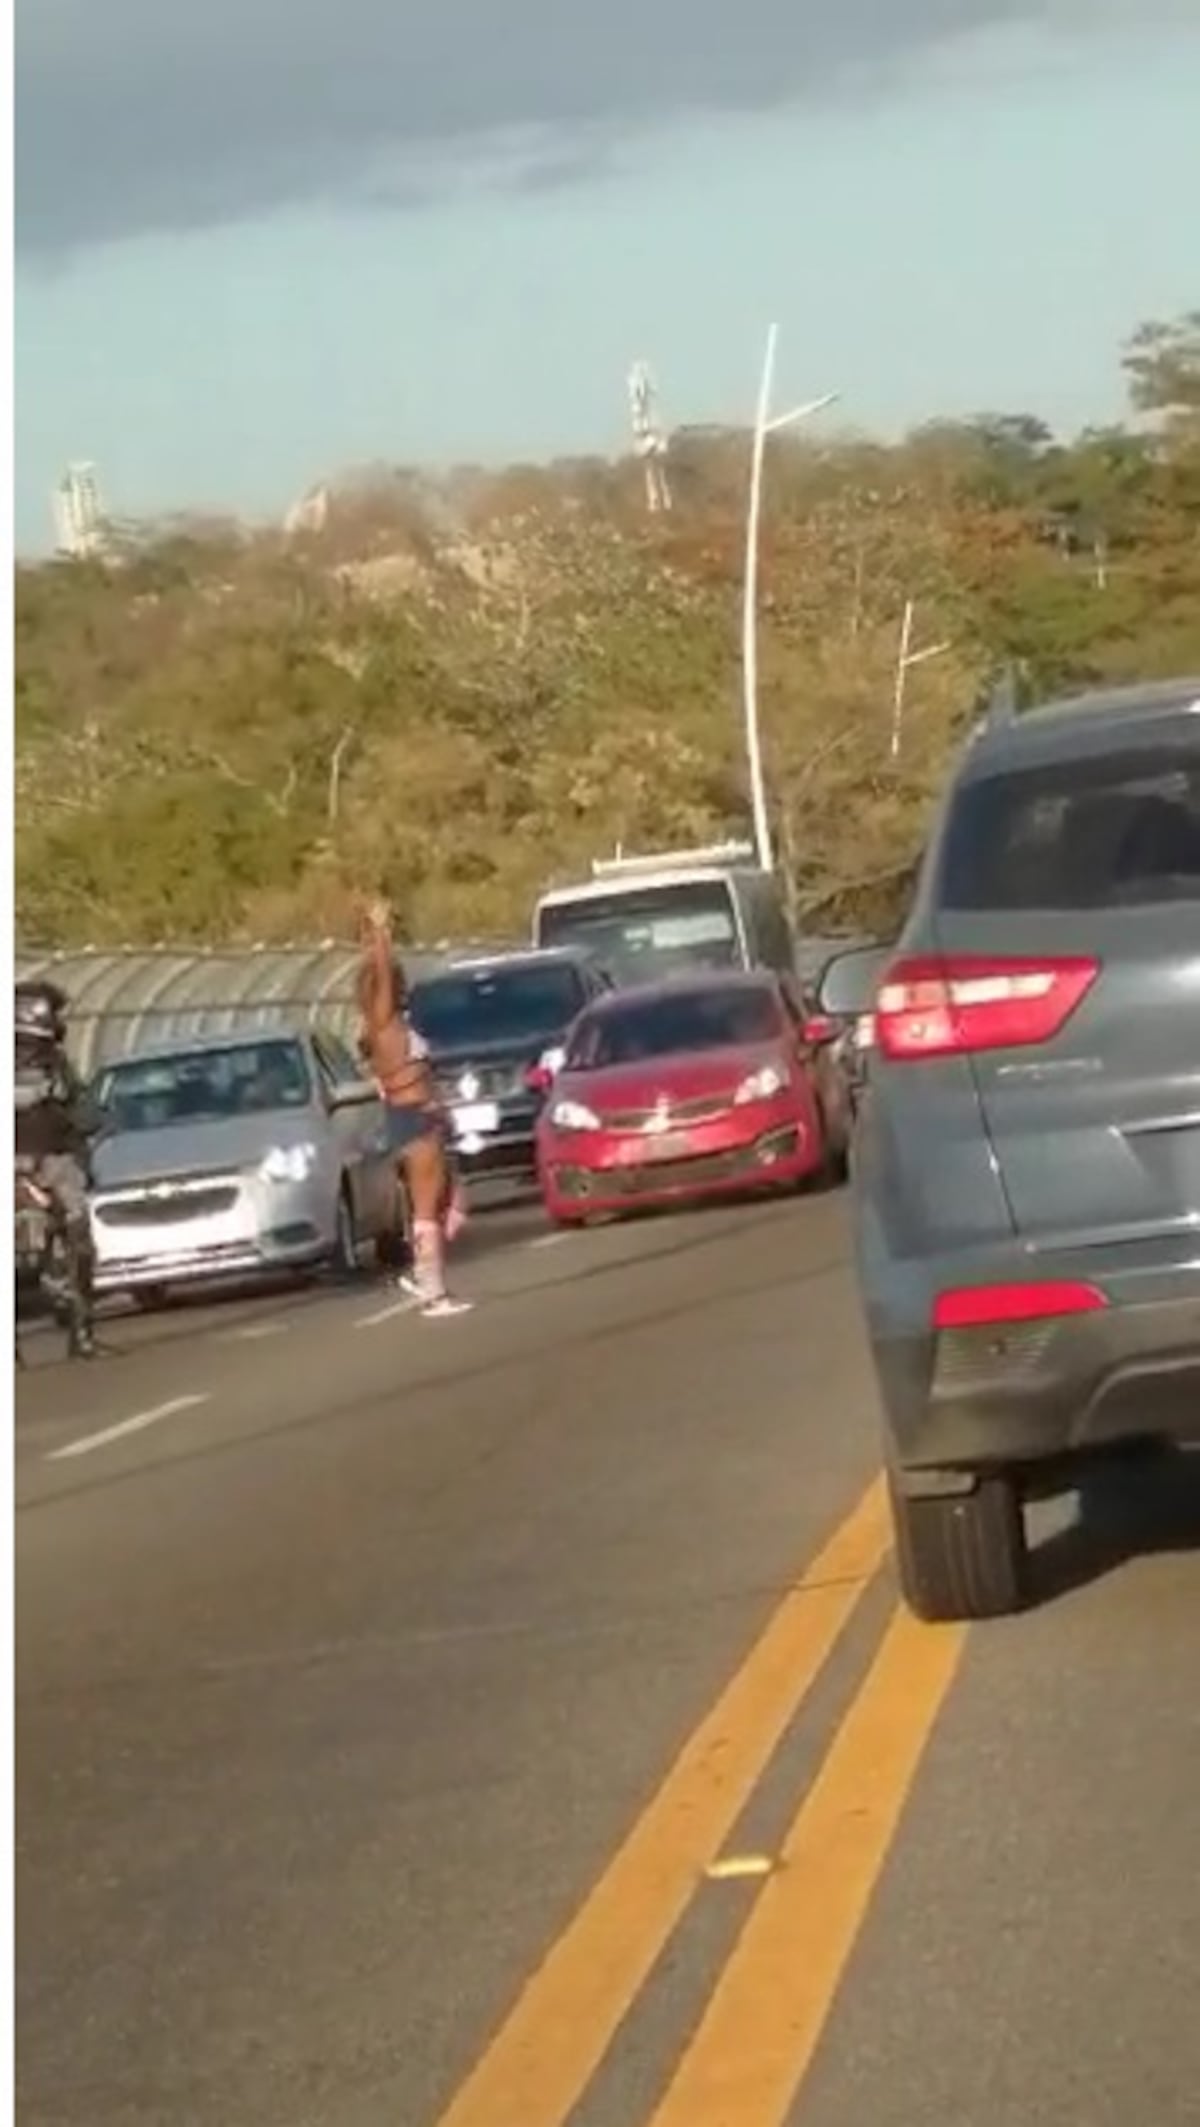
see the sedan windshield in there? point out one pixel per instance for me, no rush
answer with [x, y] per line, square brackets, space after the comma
[642, 1029]
[479, 1006]
[204, 1085]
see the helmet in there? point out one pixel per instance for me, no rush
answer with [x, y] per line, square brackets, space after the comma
[40, 1011]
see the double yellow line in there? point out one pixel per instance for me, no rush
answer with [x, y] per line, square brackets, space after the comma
[748, 2055]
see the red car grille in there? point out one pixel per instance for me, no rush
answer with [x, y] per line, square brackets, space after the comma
[674, 1115]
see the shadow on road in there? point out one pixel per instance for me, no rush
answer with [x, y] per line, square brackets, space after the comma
[1129, 1506]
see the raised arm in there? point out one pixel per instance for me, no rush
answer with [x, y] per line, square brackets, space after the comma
[377, 982]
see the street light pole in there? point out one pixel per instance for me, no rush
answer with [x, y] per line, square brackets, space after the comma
[906, 658]
[764, 426]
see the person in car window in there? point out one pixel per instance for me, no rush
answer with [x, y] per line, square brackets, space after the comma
[399, 1062]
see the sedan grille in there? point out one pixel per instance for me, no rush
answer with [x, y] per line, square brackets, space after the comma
[491, 1081]
[706, 1109]
[167, 1205]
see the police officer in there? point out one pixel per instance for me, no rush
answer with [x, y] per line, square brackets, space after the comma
[55, 1123]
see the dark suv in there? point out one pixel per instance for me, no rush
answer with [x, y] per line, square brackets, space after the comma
[1027, 1159]
[489, 1023]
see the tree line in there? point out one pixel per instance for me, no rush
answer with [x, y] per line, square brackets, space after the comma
[464, 689]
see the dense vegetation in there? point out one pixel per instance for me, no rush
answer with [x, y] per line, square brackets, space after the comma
[464, 689]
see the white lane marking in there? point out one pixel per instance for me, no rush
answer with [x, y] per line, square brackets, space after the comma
[385, 1314]
[549, 1240]
[731, 1868]
[136, 1424]
[251, 1332]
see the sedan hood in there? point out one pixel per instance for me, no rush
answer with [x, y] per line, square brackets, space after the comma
[466, 1054]
[716, 1072]
[196, 1148]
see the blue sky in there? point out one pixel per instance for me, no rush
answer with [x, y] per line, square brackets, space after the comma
[299, 270]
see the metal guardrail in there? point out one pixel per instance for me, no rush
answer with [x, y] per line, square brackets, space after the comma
[128, 998]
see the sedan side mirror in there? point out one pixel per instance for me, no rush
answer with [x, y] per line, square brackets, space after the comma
[849, 981]
[353, 1093]
[820, 1028]
[540, 1076]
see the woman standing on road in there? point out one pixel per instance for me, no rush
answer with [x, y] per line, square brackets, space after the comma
[414, 1121]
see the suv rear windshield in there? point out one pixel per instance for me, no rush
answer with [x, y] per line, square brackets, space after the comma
[496, 1004]
[1121, 831]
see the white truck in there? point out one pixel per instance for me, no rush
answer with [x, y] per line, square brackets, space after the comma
[643, 918]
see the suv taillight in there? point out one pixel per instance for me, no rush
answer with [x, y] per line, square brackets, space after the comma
[956, 1004]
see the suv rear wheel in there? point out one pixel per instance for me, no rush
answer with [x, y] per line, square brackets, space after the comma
[961, 1555]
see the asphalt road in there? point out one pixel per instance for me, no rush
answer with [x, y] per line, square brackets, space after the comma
[508, 1720]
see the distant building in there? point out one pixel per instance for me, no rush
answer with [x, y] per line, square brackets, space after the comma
[310, 514]
[78, 517]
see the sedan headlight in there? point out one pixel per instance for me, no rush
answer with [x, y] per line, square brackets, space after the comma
[289, 1163]
[572, 1115]
[761, 1085]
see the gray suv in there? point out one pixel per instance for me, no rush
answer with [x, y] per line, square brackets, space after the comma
[1027, 1159]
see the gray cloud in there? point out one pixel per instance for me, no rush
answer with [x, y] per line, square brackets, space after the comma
[148, 115]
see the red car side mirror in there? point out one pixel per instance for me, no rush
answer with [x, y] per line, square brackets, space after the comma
[540, 1076]
[819, 1030]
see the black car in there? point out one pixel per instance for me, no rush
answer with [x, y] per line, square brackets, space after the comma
[489, 1023]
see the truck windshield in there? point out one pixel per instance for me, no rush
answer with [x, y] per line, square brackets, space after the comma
[640, 935]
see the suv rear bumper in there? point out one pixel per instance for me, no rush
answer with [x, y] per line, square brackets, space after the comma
[1032, 1391]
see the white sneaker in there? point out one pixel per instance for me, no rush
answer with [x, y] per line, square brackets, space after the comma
[445, 1304]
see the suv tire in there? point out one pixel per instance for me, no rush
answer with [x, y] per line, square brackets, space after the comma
[961, 1555]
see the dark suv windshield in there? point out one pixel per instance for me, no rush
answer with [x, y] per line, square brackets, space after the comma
[1121, 831]
[485, 1005]
[204, 1085]
[645, 1028]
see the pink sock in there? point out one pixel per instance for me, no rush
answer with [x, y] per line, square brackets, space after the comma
[428, 1263]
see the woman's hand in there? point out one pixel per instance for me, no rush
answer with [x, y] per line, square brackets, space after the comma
[375, 914]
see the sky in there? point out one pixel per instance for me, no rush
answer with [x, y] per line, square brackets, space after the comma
[262, 240]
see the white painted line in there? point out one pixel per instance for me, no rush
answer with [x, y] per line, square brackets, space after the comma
[731, 1868]
[252, 1332]
[386, 1314]
[550, 1240]
[136, 1424]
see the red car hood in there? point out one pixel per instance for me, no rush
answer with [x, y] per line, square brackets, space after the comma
[718, 1072]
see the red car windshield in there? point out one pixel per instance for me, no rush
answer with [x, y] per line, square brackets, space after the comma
[640, 1030]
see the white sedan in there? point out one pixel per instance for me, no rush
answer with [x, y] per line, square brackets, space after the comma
[233, 1157]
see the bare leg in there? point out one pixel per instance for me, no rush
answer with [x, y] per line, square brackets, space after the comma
[425, 1168]
[396, 1249]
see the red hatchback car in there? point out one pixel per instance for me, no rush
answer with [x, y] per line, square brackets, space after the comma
[693, 1088]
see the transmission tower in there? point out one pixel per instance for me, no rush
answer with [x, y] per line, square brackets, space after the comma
[78, 514]
[649, 437]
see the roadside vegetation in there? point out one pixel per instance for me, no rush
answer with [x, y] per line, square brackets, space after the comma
[462, 690]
